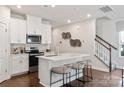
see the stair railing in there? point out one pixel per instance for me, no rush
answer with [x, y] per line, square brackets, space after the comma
[103, 51]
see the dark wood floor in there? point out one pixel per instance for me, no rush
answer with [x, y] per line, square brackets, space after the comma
[100, 79]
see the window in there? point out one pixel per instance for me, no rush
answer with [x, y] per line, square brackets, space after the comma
[121, 43]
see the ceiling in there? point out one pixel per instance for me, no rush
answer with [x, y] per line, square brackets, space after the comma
[61, 13]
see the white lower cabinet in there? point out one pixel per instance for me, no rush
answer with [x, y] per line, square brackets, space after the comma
[20, 63]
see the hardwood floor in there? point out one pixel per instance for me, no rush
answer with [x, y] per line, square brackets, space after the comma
[100, 79]
[27, 80]
[104, 79]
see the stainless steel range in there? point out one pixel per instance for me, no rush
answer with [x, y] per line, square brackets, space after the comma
[33, 60]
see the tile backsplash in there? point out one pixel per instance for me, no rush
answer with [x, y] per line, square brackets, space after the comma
[20, 48]
[17, 48]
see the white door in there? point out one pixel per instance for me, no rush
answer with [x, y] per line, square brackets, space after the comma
[3, 51]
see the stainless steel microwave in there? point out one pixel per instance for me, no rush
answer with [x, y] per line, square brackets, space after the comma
[33, 39]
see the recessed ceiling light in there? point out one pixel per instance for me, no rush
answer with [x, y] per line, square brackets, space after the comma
[88, 15]
[77, 26]
[68, 21]
[53, 6]
[19, 6]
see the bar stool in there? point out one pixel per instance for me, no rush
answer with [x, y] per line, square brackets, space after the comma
[63, 70]
[122, 77]
[77, 66]
[87, 68]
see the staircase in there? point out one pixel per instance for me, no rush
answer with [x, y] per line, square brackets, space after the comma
[103, 52]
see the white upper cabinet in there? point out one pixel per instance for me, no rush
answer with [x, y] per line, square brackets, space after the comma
[18, 30]
[49, 35]
[33, 25]
[46, 33]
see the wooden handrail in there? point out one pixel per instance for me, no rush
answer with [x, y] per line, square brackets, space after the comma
[102, 44]
[106, 42]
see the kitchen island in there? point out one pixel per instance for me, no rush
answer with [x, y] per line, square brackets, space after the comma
[48, 61]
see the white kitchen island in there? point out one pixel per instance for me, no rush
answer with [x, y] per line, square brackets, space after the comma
[47, 62]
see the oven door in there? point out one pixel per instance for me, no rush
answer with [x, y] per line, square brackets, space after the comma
[33, 63]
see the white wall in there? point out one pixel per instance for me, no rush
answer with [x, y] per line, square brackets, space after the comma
[108, 31]
[85, 32]
[4, 12]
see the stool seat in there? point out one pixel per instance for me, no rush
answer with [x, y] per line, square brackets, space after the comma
[61, 70]
[86, 62]
[77, 66]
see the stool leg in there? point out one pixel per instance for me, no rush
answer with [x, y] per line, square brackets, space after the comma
[66, 78]
[122, 77]
[63, 80]
[83, 73]
[87, 73]
[76, 73]
[78, 76]
[91, 73]
[69, 76]
[50, 78]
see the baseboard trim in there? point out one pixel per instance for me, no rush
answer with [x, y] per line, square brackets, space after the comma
[43, 84]
[101, 69]
[26, 72]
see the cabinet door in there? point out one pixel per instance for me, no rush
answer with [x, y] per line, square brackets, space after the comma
[22, 31]
[25, 63]
[48, 31]
[16, 64]
[3, 51]
[46, 34]
[18, 30]
[33, 25]
[20, 63]
[14, 30]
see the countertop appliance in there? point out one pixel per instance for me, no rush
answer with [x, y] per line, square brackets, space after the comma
[33, 60]
[33, 39]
